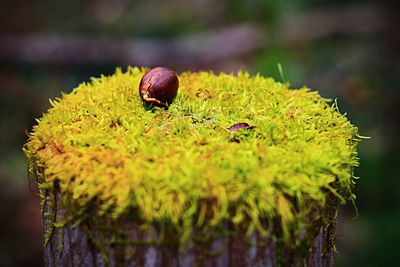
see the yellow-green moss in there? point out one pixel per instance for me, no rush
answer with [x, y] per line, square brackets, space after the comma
[182, 165]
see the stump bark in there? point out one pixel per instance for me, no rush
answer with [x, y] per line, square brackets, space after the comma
[85, 245]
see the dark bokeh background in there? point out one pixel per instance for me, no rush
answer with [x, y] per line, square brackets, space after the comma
[345, 49]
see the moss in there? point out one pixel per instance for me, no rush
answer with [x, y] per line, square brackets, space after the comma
[182, 167]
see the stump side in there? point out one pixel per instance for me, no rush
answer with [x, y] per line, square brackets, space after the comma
[85, 245]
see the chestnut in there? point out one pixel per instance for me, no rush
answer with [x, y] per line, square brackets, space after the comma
[159, 86]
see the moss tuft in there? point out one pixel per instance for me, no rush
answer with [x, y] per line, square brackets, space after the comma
[182, 166]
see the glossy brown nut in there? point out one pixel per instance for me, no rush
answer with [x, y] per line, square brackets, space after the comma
[159, 86]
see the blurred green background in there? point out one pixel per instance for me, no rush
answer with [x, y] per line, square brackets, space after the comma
[345, 49]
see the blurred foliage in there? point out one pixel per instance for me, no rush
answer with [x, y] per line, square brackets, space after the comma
[362, 71]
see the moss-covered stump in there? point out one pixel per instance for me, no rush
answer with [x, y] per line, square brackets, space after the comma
[240, 170]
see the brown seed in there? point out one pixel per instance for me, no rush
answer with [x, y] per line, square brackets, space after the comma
[159, 86]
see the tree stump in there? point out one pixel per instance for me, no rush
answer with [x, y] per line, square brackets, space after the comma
[239, 171]
[82, 246]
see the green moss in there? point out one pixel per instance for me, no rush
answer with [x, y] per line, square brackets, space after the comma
[182, 167]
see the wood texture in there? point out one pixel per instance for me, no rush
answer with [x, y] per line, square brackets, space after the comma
[84, 246]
